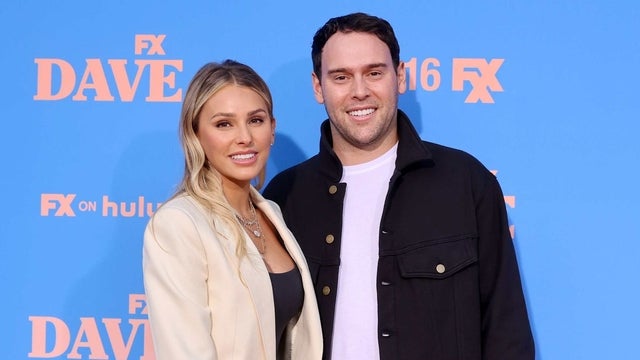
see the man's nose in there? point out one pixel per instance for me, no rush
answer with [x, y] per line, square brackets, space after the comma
[360, 88]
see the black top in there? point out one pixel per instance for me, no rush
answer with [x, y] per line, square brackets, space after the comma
[288, 296]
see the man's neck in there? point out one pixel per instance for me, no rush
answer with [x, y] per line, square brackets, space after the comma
[352, 155]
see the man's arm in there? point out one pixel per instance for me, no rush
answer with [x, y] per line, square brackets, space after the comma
[506, 332]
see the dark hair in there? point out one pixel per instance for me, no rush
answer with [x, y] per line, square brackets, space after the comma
[355, 22]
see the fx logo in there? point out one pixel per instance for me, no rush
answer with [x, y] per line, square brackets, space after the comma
[59, 202]
[152, 42]
[138, 304]
[482, 76]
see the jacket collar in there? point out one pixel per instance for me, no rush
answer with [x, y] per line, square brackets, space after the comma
[411, 149]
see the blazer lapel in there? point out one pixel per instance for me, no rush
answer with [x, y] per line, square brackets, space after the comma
[256, 278]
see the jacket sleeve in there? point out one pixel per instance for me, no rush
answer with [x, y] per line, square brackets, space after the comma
[506, 332]
[175, 276]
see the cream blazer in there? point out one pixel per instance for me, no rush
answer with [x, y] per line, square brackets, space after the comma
[202, 305]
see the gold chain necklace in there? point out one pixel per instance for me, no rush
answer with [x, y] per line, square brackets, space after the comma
[253, 225]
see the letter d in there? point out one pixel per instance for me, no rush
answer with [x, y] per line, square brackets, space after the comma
[45, 79]
[39, 337]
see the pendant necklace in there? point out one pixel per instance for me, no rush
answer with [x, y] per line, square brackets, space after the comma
[253, 227]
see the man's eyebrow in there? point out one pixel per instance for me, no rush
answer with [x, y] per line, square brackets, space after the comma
[377, 65]
[336, 71]
[368, 67]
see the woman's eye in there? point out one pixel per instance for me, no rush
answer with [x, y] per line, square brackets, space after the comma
[257, 120]
[223, 124]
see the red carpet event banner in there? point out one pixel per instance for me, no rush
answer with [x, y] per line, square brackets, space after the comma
[544, 93]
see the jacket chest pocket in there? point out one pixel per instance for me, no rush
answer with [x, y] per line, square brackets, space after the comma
[438, 259]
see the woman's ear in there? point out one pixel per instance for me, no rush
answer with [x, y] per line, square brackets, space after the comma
[273, 131]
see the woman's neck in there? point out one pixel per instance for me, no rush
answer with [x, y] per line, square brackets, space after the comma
[238, 196]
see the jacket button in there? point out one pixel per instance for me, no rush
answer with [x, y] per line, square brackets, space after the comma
[326, 290]
[333, 189]
[440, 268]
[385, 283]
[329, 239]
[385, 334]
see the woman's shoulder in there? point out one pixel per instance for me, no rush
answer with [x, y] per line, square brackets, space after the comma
[181, 203]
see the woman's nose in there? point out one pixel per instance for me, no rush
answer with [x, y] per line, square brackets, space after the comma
[244, 135]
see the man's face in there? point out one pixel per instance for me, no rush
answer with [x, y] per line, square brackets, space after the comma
[359, 89]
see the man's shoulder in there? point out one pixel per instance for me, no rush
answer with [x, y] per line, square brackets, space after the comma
[461, 161]
[305, 167]
[285, 180]
[448, 153]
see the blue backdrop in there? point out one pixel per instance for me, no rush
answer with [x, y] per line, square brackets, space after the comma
[542, 92]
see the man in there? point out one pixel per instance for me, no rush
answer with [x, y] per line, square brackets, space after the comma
[407, 241]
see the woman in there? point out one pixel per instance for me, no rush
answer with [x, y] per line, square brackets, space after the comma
[224, 277]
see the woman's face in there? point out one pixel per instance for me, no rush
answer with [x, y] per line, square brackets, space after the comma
[236, 133]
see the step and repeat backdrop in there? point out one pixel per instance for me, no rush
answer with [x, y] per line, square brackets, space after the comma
[544, 93]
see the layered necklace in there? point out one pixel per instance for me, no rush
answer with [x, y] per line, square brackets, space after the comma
[253, 227]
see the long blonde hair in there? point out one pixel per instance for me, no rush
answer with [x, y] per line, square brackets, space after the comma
[200, 180]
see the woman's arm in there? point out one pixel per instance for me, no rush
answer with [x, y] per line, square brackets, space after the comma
[175, 279]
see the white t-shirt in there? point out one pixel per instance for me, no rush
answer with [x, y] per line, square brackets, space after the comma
[355, 327]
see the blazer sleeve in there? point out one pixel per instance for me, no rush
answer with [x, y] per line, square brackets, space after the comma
[175, 281]
[506, 332]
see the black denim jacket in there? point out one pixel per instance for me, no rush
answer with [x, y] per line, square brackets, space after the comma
[448, 282]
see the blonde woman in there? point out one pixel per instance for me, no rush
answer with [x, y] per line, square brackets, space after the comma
[224, 276]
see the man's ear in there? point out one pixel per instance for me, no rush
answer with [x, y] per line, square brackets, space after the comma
[317, 88]
[402, 78]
